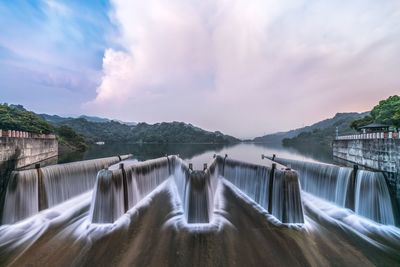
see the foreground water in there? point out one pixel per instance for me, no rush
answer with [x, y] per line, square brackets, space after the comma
[155, 231]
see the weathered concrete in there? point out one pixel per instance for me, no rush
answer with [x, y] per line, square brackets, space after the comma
[27, 151]
[24, 150]
[377, 154]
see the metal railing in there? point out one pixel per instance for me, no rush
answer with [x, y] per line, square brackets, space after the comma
[380, 135]
[22, 134]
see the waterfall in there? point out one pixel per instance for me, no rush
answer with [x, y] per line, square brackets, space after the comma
[372, 199]
[126, 186]
[63, 181]
[286, 198]
[254, 181]
[108, 197]
[30, 191]
[22, 198]
[326, 181]
[132, 183]
[197, 204]
[367, 195]
[250, 179]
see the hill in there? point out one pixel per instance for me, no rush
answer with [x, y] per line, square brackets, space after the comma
[165, 132]
[340, 120]
[16, 117]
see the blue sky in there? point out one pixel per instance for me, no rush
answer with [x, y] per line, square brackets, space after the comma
[266, 65]
[51, 52]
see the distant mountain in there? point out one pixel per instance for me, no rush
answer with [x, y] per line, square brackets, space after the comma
[166, 132]
[16, 117]
[340, 120]
[177, 132]
[53, 118]
[59, 119]
[93, 118]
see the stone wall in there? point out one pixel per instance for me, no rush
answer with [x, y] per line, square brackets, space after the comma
[22, 151]
[377, 154]
[27, 151]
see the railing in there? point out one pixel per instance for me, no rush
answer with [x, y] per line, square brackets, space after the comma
[22, 134]
[381, 135]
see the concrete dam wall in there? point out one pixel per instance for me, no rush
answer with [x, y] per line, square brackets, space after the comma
[21, 149]
[379, 154]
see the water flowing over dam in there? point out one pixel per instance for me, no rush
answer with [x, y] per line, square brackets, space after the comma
[161, 212]
[116, 191]
[30, 191]
[365, 192]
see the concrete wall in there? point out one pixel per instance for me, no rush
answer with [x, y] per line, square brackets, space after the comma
[377, 154]
[22, 151]
[27, 151]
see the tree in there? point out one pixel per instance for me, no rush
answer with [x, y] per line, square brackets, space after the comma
[386, 112]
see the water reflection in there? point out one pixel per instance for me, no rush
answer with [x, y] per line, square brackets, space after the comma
[197, 153]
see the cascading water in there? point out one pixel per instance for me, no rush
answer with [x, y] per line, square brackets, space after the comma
[323, 180]
[61, 182]
[369, 197]
[33, 190]
[254, 181]
[117, 191]
[131, 184]
[22, 198]
[286, 199]
[372, 199]
[197, 204]
[250, 179]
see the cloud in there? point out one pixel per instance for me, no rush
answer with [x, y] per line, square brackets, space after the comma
[247, 67]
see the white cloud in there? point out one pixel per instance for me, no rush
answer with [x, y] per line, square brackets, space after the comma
[246, 67]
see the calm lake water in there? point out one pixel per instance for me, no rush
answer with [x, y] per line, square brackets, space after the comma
[200, 153]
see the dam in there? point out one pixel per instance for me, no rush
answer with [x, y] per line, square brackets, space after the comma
[20, 149]
[375, 151]
[163, 212]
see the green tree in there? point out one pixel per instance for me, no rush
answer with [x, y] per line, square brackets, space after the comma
[386, 112]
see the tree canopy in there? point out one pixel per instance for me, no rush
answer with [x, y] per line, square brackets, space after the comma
[386, 112]
[15, 117]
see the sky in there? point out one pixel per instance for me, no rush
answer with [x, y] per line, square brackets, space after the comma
[244, 67]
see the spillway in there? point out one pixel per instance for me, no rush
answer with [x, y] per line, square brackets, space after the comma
[232, 213]
[30, 191]
[372, 198]
[365, 192]
[196, 189]
[275, 189]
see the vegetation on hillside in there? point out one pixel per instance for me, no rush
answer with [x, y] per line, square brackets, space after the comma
[324, 136]
[340, 120]
[16, 117]
[386, 112]
[68, 139]
[174, 132]
[99, 131]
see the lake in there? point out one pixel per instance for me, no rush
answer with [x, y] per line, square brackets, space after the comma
[200, 153]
